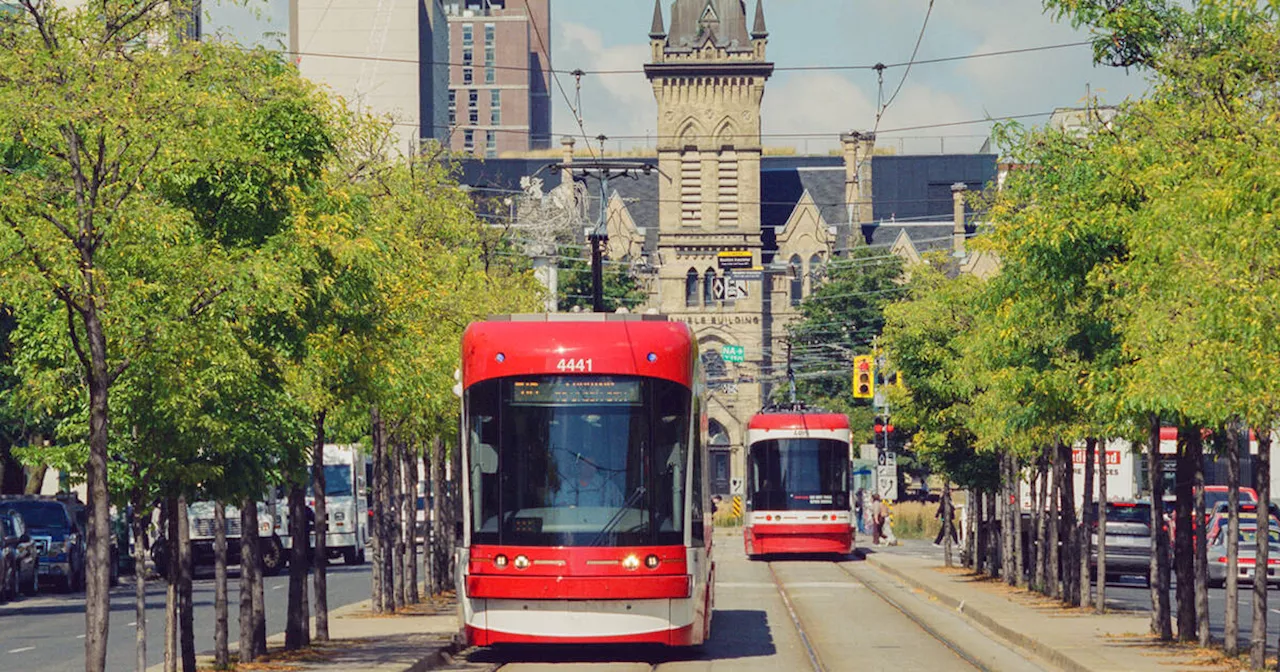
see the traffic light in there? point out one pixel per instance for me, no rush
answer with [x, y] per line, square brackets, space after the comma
[864, 386]
[882, 426]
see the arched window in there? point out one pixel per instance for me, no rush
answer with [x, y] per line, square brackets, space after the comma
[797, 280]
[730, 289]
[691, 288]
[816, 271]
[708, 289]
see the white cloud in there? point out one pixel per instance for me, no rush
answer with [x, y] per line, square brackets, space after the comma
[615, 104]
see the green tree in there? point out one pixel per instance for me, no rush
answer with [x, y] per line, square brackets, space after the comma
[620, 286]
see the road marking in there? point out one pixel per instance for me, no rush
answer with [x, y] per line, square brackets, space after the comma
[22, 650]
[277, 587]
[132, 624]
[819, 584]
[1275, 611]
[79, 636]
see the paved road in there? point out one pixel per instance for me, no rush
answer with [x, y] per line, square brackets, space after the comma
[46, 633]
[792, 614]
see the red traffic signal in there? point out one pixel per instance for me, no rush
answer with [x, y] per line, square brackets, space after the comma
[882, 426]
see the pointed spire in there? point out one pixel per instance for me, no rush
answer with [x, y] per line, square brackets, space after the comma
[758, 31]
[657, 32]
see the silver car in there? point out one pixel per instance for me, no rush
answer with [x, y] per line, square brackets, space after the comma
[1128, 537]
[1245, 558]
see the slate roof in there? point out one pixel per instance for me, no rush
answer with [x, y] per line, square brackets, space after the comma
[728, 30]
[909, 193]
[918, 187]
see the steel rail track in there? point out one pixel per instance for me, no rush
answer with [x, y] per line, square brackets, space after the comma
[814, 659]
[880, 593]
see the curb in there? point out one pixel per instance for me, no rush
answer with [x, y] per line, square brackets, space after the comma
[1049, 653]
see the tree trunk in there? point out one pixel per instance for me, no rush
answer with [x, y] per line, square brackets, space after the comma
[395, 506]
[220, 653]
[948, 512]
[186, 605]
[1161, 621]
[387, 518]
[140, 523]
[1068, 534]
[409, 471]
[35, 480]
[1053, 569]
[1019, 548]
[1087, 507]
[972, 502]
[321, 554]
[1198, 532]
[97, 596]
[248, 563]
[377, 533]
[1009, 564]
[253, 615]
[439, 561]
[1262, 483]
[1101, 606]
[993, 533]
[297, 632]
[1037, 542]
[170, 518]
[1231, 624]
[980, 511]
[453, 511]
[1183, 551]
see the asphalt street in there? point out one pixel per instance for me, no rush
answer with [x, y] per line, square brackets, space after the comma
[46, 632]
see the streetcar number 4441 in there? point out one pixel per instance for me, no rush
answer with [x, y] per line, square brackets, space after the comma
[574, 365]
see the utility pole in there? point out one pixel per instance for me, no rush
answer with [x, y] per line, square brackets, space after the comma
[602, 171]
[791, 376]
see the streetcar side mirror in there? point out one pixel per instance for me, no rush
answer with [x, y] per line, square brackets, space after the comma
[486, 458]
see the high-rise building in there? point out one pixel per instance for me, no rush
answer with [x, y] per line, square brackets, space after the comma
[388, 59]
[499, 75]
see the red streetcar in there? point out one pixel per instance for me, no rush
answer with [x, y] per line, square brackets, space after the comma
[797, 483]
[587, 514]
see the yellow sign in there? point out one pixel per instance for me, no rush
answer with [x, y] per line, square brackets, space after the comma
[737, 505]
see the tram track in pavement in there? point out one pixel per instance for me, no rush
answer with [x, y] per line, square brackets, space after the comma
[814, 659]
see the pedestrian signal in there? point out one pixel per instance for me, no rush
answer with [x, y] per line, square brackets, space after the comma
[864, 386]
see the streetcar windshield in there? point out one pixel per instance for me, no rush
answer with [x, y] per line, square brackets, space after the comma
[798, 474]
[578, 460]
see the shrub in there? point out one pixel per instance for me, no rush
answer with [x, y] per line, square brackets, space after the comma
[915, 520]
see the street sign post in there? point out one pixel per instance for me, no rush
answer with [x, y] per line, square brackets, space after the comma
[733, 353]
[887, 482]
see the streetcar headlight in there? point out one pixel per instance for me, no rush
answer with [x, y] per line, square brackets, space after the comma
[651, 561]
[522, 562]
[653, 357]
[500, 562]
[501, 357]
[631, 563]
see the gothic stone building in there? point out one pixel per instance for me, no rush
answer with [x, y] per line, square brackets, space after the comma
[716, 201]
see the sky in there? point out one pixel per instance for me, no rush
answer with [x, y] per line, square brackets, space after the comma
[613, 34]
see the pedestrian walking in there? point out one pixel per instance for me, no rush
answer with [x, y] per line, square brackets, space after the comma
[885, 524]
[947, 514]
[858, 510]
[876, 519]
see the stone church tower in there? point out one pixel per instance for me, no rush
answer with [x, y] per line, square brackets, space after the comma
[708, 74]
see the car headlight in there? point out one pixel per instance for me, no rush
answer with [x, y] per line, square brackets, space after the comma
[339, 516]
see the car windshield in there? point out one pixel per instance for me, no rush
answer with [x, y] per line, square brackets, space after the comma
[804, 474]
[578, 460]
[1249, 535]
[42, 515]
[337, 481]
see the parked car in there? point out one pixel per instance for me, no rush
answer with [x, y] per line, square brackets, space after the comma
[1218, 518]
[59, 539]
[1128, 537]
[19, 559]
[1245, 557]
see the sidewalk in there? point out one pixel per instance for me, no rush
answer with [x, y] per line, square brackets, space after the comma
[1074, 640]
[363, 642]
